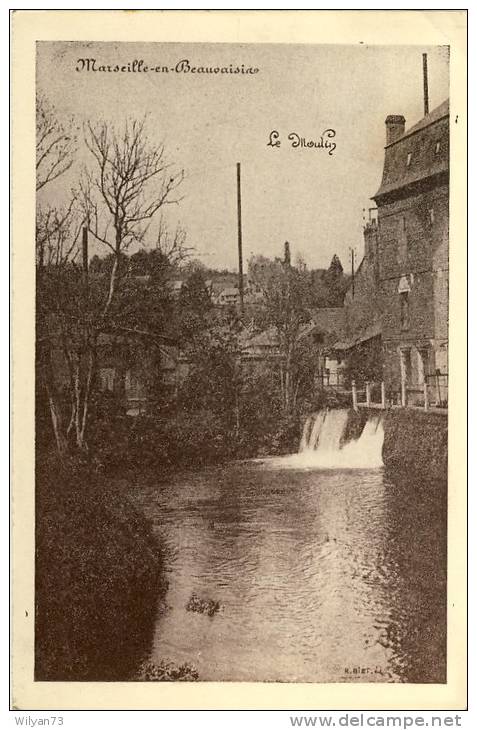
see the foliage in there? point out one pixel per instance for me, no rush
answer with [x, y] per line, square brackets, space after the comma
[116, 199]
[364, 363]
[98, 573]
[167, 672]
[213, 379]
[286, 310]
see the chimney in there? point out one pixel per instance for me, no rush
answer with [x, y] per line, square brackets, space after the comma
[395, 127]
[287, 258]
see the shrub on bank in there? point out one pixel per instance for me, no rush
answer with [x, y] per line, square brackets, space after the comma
[184, 439]
[98, 576]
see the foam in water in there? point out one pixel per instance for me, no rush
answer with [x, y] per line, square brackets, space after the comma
[321, 448]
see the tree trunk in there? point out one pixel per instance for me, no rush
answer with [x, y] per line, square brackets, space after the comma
[112, 286]
[86, 397]
[57, 422]
[53, 402]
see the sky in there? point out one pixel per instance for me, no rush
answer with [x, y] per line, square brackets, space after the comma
[209, 122]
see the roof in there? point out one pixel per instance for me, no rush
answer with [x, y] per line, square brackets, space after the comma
[122, 335]
[418, 155]
[218, 282]
[176, 284]
[328, 319]
[373, 330]
[230, 291]
[267, 338]
[438, 113]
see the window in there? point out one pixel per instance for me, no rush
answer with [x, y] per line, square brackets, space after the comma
[106, 376]
[404, 300]
[406, 365]
[431, 215]
[402, 241]
[437, 148]
[422, 365]
[409, 157]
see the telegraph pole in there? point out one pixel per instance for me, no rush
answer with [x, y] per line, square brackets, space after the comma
[426, 89]
[85, 264]
[239, 224]
[352, 271]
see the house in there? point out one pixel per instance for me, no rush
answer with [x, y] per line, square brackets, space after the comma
[125, 374]
[360, 348]
[260, 347]
[326, 327]
[412, 252]
[230, 296]
[175, 287]
[396, 308]
[323, 329]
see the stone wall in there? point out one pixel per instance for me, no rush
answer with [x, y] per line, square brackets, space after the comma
[414, 440]
[413, 240]
[417, 441]
[362, 307]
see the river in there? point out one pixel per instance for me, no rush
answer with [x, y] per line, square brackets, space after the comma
[323, 574]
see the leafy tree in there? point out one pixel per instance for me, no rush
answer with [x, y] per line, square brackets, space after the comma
[214, 377]
[286, 310]
[336, 282]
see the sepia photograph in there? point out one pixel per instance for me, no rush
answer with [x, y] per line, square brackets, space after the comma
[241, 362]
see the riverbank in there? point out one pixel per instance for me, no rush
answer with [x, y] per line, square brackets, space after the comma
[181, 440]
[99, 566]
[98, 576]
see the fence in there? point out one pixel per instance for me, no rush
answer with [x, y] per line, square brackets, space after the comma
[331, 379]
[430, 395]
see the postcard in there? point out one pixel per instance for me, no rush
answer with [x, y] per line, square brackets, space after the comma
[239, 359]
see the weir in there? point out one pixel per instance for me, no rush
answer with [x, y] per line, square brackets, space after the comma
[323, 444]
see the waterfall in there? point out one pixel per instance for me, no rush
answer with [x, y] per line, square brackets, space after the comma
[321, 444]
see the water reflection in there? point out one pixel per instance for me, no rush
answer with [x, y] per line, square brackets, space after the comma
[324, 576]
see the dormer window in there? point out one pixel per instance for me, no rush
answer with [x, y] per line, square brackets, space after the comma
[409, 157]
[437, 148]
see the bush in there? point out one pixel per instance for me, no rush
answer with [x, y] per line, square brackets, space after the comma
[187, 439]
[98, 578]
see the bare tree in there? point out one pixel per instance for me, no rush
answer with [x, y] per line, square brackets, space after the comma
[117, 199]
[172, 244]
[56, 244]
[55, 143]
[130, 183]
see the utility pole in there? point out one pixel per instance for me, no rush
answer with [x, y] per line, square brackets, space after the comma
[239, 223]
[426, 89]
[352, 271]
[85, 261]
